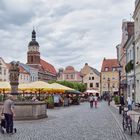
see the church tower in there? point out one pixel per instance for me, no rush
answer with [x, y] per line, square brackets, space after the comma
[33, 54]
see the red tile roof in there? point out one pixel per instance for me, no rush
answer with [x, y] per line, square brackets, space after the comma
[109, 63]
[47, 67]
[69, 69]
[22, 70]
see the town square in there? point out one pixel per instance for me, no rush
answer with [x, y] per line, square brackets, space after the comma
[70, 70]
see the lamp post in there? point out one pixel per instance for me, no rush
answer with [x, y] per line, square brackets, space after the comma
[108, 80]
[120, 70]
[134, 54]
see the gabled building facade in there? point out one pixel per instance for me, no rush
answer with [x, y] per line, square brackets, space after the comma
[4, 71]
[91, 77]
[109, 77]
[33, 73]
[69, 74]
[24, 75]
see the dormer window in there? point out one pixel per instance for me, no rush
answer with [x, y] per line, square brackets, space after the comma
[113, 69]
[106, 68]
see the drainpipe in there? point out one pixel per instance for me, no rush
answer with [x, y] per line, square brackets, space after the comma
[127, 91]
[134, 68]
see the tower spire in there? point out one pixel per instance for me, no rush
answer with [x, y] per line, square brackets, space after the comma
[33, 35]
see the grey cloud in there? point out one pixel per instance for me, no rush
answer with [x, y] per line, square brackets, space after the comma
[61, 11]
[69, 32]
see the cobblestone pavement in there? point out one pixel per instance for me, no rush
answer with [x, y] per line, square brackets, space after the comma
[71, 123]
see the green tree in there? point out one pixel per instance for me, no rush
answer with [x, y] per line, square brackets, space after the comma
[77, 86]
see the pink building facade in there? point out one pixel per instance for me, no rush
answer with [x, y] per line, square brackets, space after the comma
[69, 74]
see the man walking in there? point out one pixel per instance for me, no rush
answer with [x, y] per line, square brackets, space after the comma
[122, 103]
[8, 110]
[91, 100]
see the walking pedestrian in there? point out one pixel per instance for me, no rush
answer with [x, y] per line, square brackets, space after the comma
[91, 100]
[9, 113]
[129, 102]
[109, 99]
[122, 100]
[122, 103]
[95, 101]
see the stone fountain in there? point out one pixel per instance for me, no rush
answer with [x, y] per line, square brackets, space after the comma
[26, 110]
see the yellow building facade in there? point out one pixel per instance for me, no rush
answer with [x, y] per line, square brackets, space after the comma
[109, 77]
[109, 82]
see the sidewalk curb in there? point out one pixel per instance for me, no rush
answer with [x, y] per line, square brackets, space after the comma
[118, 123]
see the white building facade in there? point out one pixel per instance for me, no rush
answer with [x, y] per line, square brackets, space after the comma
[130, 68]
[27, 74]
[136, 17]
[4, 71]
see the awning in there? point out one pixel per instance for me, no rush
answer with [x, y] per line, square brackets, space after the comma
[92, 91]
[72, 92]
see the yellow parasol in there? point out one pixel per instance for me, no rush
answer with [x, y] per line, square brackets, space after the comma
[59, 86]
[5, 86]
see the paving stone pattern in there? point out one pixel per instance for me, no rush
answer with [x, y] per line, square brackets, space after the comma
[118, 118]
[71, 123]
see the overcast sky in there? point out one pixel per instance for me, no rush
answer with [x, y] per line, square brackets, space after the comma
[70, 32]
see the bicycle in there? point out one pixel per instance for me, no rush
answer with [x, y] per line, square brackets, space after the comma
[127, 122]
[138, 126]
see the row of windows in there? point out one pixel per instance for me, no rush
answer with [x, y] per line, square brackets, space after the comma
[2, 80]
[91, 85]
[113, 85]
[70, 76]
[91, 78]
[113, 78]
[113, 69]
[26, 77]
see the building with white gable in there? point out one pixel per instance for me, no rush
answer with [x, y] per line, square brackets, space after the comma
[4, 71]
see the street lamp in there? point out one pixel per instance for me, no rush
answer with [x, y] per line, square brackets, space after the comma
[120, 70]
[108, 80]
